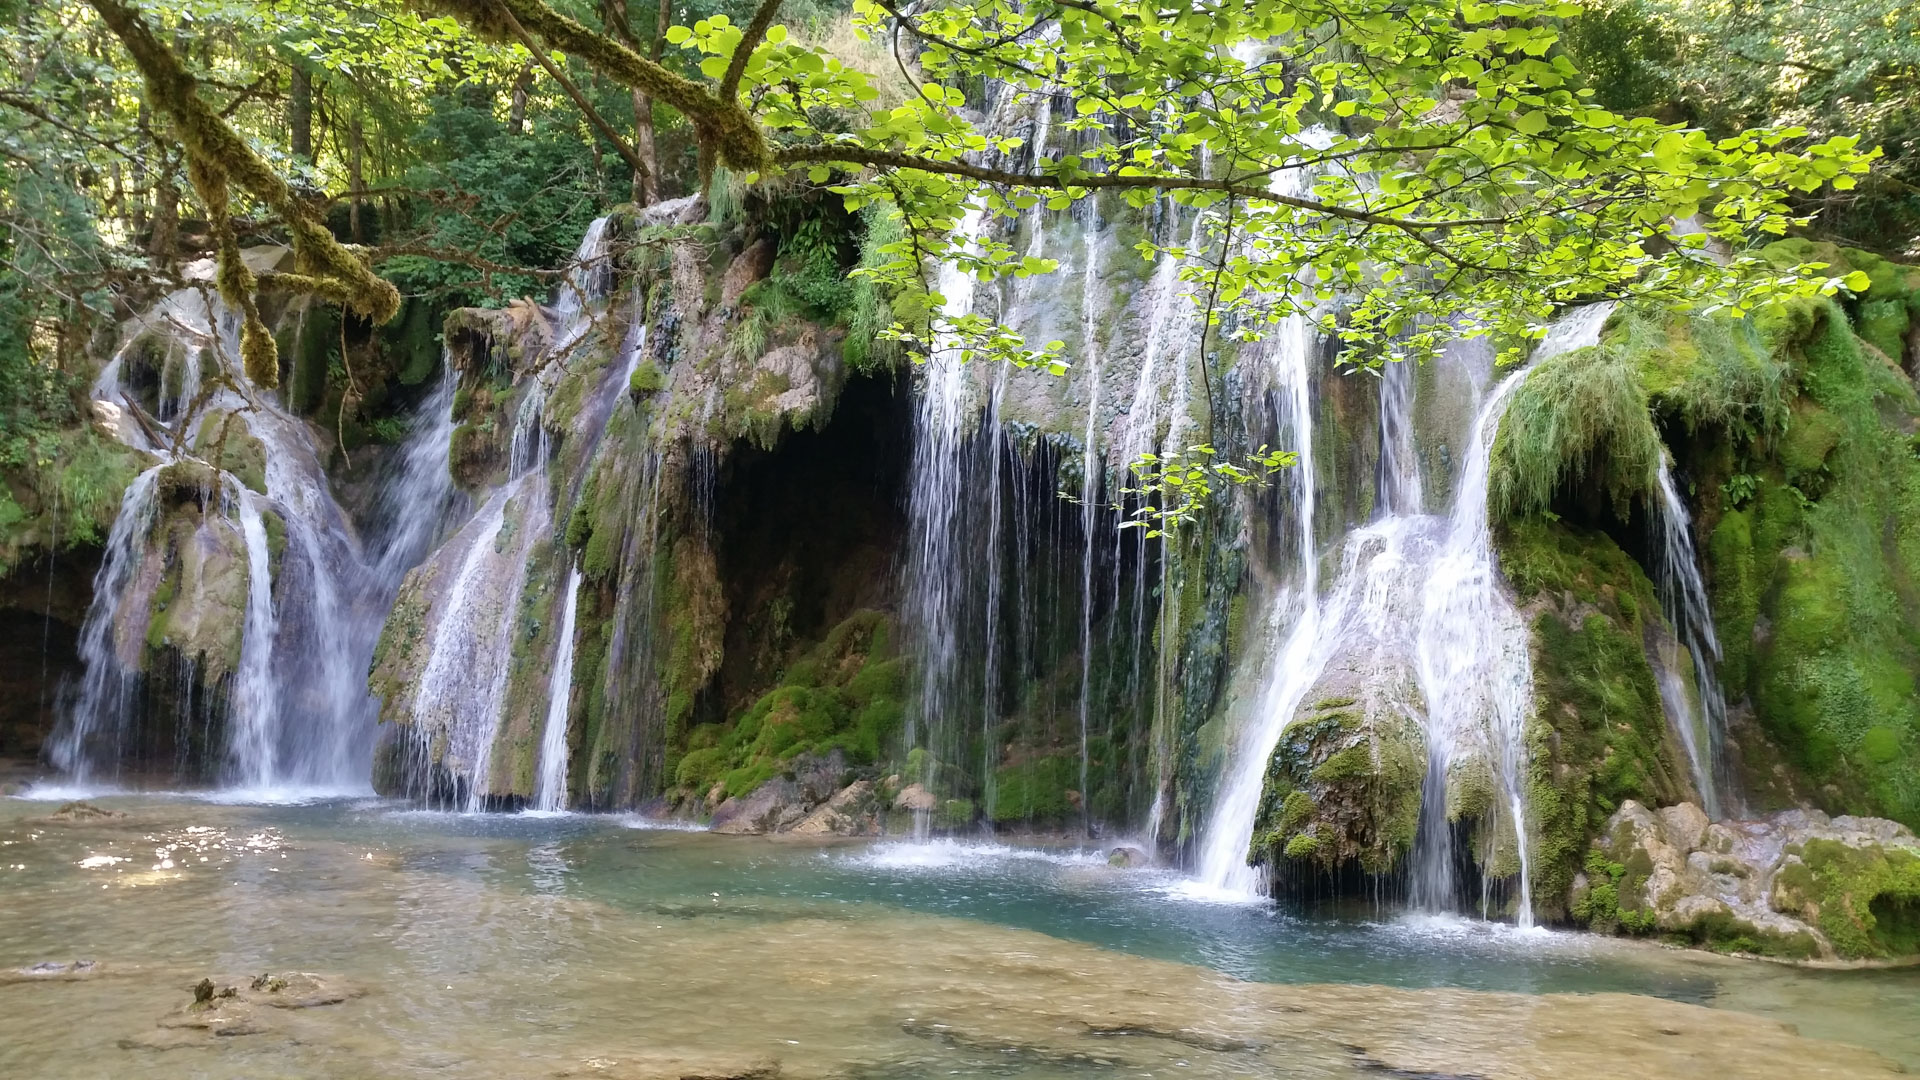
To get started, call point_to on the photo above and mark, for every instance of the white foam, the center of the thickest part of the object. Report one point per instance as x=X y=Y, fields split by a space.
x=55 y=791
x=636 y=821
x=279 y=795
x=962 y=854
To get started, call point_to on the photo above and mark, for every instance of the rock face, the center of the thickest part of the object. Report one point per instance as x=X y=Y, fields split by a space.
x=808 y=799
x=1796 y=885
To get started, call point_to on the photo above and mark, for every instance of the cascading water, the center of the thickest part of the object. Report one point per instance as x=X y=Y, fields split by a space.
x=550 y=787
x=1472 y=652
x=1223 y=854
x=474 y=629
x=1700 y=719
x=936 y=574
x=254 y=715
x=1090 y=489
x=100 y=705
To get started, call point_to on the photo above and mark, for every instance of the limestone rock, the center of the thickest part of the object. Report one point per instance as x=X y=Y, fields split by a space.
x=1127 y=857
x=853 y=811
x=1796 y=884
x=916 y=798
x=775 y=805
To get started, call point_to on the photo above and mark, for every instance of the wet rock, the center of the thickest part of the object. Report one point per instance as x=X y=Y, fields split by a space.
x=51 y=971
x=773 y=806
x=81 y=811
x=916 y=798
x=853 y=811
x=1795 y=885
x=1127 y=857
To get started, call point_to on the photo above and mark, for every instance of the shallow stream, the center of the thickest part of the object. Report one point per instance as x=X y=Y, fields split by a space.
x=444 y=945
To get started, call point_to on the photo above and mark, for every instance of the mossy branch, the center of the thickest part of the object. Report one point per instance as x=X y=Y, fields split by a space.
x=723 y=128
x=222 y=157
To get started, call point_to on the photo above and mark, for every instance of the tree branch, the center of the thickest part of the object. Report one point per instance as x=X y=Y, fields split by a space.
x=887 y=159
x=750 y=40
x=579 y=100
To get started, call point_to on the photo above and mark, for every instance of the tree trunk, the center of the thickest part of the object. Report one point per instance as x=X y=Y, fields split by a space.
x=646 y=181
x=166 y=214
x=300 y=116
x=139 y=201
x=517 y=113
x=356 y=182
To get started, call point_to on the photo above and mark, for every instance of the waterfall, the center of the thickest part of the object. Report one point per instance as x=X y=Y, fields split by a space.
x=253 y=711
x=1472 y=651
x=1398 y=474
x=936 y=574
x=1223 y=854
x=101 y=702
x=550 y=790
x=1089 y=501
x=417 y=498
x=1700 y=720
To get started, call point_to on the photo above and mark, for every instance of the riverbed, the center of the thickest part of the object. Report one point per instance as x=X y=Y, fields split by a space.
x=365 y=939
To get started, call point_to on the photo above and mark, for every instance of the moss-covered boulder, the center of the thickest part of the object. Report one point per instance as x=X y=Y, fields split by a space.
x=1795 y=885
x=1599 y=735
x=846 y=696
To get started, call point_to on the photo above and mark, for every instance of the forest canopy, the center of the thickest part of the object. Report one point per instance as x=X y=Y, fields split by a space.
x=1435 y=165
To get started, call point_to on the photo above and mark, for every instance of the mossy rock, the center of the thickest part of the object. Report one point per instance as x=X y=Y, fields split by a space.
x=1340 y=789
x=224 y=442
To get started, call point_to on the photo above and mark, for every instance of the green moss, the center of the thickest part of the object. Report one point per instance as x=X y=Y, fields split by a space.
x=1037 y=790
x=647 y=378
x=1302 y=846
x=1579 y=417
x=844 y=694
x=66 y=498
x=1599 y=735
x=1866 y=900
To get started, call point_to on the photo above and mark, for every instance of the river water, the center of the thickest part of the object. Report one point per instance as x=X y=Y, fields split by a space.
x=454 y=945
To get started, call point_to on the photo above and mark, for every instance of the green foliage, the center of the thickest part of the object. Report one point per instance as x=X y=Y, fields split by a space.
x=1580 y=418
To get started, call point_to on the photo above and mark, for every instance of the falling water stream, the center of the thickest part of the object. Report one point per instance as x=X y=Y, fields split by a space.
x=1700 y=718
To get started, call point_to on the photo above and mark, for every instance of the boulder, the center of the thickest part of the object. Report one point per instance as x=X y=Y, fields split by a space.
x=1796 y=884
x=774 y=806
x=1127 y=857
x=853 y=811
x=916 y=798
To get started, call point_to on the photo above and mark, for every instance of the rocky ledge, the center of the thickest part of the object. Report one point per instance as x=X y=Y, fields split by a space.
x=1795 y=885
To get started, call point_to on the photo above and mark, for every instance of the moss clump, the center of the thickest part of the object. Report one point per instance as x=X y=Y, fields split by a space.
x=844 y=694
x=1815 y=573
x=1044 y=789
x=1341 y=789
x=646 y=379
x=1599 y=735
x=1599 y=908
x=64 y=499
x=1581 y=418
x=1865 y=899
x=225 y=443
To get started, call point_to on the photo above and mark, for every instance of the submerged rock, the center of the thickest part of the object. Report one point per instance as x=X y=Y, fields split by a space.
x=81 y=810
x=1796 y=885
x=1127 y=857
